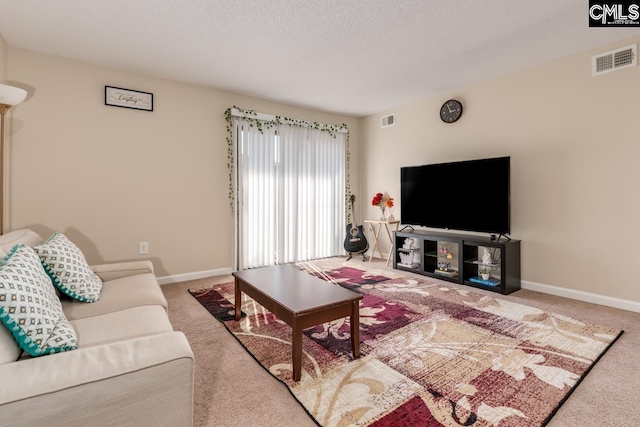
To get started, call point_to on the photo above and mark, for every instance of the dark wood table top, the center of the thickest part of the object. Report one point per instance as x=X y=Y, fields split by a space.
x=295 y=290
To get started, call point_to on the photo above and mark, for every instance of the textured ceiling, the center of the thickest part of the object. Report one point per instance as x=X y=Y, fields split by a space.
x=349 y=57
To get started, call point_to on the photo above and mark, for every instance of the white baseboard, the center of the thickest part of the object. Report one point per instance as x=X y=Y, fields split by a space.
x=166 y=280
x=583 y=296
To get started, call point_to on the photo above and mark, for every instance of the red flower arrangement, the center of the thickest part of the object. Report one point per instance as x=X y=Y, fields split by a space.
x=383 y=201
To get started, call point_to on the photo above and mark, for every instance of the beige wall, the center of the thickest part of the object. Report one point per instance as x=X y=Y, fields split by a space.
x=112 y=177
x=3 y=60
x=575 y=152
x=3 y=77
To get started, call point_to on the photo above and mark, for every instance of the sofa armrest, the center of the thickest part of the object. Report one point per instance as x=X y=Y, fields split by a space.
x=123 y=383
x=118 y=270
x=55 y=372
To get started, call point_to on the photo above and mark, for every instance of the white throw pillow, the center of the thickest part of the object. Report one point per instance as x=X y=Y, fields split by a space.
x=65 y=263
x=29 y=307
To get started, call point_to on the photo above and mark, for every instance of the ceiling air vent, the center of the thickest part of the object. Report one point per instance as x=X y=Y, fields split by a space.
x=386 y=121
x=614 y=60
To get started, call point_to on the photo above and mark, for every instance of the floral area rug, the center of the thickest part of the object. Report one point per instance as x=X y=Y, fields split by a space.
x=432 y=353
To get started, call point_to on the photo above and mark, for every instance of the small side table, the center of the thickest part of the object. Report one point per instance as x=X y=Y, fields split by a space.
x=376 y=233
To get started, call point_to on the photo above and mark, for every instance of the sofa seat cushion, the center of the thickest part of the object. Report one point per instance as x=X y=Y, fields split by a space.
x=117 y=295
x=121 y=326
x=68 y=268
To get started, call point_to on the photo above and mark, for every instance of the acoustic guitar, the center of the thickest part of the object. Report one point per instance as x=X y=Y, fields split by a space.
x=355 y=242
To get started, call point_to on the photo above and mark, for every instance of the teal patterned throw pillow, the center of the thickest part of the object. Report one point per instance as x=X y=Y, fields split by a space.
x=29 y=306
x=66 y=265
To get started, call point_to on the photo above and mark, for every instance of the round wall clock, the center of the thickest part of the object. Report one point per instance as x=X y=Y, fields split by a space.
x=451 y=111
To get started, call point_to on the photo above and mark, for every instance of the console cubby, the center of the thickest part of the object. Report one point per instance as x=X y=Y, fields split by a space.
x=459 y=258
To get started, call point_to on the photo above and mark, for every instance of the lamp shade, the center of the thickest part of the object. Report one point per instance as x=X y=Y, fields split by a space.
x=11 y=95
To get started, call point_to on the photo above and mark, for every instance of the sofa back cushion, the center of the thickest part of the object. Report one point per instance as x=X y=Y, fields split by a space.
x=10 y=351
x=26 y=236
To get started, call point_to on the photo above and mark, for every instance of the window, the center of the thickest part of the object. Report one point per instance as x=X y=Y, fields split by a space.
x=290 y=192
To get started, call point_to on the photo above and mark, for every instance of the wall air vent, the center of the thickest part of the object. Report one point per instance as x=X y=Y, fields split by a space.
x=614 y=60
x=386 y=121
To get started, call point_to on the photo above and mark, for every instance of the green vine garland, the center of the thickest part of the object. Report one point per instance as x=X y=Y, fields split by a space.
x=251 y=117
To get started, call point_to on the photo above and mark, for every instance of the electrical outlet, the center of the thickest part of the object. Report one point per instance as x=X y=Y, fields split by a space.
x=143 y=248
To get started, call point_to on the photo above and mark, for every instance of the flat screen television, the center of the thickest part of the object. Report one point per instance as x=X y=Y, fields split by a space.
x=472 y=195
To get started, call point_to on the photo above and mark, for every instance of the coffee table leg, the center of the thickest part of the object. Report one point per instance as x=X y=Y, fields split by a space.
x=355 y=328
x=296 y=352
x=238 y=296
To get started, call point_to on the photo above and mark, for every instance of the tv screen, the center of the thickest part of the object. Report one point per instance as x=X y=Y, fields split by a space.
x=470 y=195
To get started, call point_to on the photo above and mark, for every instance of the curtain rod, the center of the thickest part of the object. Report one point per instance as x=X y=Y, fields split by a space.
x=236 y=112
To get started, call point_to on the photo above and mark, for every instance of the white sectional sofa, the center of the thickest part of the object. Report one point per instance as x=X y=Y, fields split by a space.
x=130 y=367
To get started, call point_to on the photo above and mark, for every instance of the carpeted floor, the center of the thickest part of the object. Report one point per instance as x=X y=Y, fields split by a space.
x=231 y=388
x=432 y=354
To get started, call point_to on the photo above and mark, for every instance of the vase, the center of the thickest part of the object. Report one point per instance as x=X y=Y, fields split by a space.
x=382 y=216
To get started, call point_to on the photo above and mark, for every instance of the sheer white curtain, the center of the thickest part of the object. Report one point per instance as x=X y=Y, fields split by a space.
x=290 y=187
x=257 y=206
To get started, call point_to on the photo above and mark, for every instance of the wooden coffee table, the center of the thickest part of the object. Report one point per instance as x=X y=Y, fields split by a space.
x=301 y=301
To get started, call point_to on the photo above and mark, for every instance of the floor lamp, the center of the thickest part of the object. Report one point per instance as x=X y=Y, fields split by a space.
x=9 y=96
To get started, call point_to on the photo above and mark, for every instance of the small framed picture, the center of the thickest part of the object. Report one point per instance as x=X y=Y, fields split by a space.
x=127 y=98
